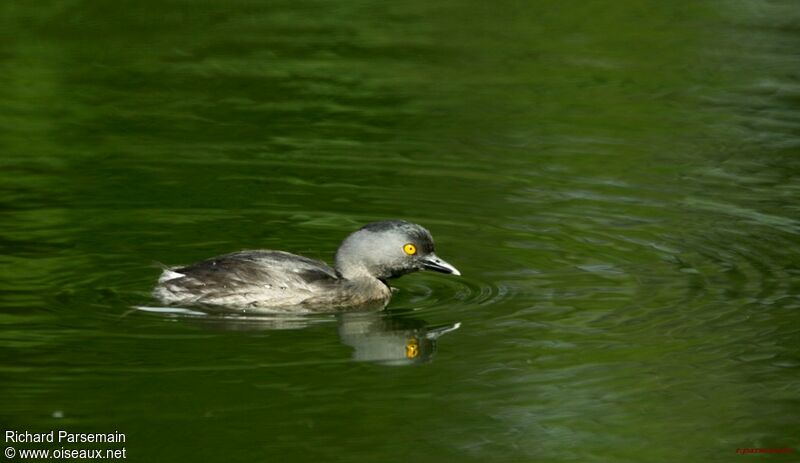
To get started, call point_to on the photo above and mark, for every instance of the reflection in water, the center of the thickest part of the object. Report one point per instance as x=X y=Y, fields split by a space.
x=382 y=337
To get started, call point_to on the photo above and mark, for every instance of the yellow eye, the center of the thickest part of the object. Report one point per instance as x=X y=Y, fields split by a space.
x=412 y=348
x=410 y=249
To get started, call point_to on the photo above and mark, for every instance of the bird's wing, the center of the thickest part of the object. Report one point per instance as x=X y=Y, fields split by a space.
x=247 y=271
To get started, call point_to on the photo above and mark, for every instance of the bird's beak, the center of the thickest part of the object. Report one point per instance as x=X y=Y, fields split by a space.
x=433 y=262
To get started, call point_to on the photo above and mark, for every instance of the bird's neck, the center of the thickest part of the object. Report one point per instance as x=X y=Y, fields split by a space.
x=354 y=272
x=360 y=275
x=367 y=288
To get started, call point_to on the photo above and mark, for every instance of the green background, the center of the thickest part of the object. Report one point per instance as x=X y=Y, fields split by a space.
x=617 y=181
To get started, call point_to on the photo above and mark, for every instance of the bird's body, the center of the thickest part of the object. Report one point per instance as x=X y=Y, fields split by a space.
x=281 y=281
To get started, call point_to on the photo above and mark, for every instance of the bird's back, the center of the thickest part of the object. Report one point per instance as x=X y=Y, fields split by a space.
x=258 y=279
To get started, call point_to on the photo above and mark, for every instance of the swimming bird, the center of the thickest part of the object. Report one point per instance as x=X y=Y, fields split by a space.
x=267 y=280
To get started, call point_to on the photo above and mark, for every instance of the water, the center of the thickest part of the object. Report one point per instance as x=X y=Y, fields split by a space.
x=618 y=184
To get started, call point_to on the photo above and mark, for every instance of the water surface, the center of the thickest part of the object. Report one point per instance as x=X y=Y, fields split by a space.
x=618 y=182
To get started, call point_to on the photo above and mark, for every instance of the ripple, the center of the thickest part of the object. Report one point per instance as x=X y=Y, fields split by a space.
x=429 y=293
x=237 y=321
x=596 y=253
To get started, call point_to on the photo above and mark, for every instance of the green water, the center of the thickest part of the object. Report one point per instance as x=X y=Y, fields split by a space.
x=618 y=182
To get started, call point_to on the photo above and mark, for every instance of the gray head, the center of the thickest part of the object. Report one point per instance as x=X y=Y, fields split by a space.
x=389 y=249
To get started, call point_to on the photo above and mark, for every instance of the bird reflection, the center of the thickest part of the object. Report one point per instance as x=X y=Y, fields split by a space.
x=384 y=337
x=396 y=340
